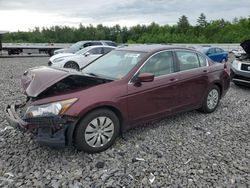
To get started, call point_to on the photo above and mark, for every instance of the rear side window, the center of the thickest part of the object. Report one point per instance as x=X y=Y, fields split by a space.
x=187 y=60
x=111 y=43
x=160 y=64
x=86 y=44
x=106 y=50
x=211 y=51
x=218 y=50
x=203 y=60
x=95 y=43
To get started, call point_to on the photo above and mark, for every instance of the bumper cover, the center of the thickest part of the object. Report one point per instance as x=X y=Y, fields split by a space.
x=241 y=77
x=53 y=131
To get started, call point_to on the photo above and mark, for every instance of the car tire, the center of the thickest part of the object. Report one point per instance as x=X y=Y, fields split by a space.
x=97 y=131
x=72 y=65
x=211 y=100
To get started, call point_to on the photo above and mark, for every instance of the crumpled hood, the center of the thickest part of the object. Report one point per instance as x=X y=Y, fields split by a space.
x=36 y=80
x=62 y=55
x=246 y=46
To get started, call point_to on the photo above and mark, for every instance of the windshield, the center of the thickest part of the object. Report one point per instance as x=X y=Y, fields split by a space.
x=202 y=49
x=82 y=51
x=114 y=65
x=77 y=45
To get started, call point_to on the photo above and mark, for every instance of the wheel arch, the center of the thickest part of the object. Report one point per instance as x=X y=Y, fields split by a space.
x=219 y=86
x=71 y=61
x=108 y=107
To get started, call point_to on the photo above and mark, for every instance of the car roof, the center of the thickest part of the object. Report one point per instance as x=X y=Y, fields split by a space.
x=102 y=46
x=151 y=47
x=95 y=41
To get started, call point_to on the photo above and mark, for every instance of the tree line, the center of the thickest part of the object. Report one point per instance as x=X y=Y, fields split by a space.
x=215 y=31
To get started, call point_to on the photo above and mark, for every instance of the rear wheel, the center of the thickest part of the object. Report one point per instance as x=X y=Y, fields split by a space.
x=211 y=100
x=97 y=131
x=72 y=65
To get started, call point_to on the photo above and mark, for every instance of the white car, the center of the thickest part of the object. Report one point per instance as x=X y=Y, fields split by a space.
x=79 y=59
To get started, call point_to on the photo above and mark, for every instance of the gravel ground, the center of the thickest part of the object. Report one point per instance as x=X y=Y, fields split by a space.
x=187 y=150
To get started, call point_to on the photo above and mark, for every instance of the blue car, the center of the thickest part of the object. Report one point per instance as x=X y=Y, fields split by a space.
x=214 y=53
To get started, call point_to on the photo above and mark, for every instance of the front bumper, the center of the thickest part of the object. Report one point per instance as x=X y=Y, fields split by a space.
x=240 y=77
x=53 y=131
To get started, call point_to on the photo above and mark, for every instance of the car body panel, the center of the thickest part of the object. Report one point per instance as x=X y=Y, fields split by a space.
x=81 y=58
x=240 y=69
x=36 y=80
x=151 y=98
x=214 y=53
x=61 y=55
x=134 y=103
x=83 y=44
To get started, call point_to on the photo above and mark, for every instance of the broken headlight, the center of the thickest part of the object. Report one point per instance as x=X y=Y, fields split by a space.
x=55 y=108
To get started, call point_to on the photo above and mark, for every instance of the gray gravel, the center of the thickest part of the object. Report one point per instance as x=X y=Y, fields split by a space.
x=187 y=150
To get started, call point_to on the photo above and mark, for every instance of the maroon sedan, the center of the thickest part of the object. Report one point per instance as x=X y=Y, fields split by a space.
x=122 y=89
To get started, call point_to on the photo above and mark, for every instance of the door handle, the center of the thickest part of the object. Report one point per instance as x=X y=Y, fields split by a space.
x=205 y=71
x=173 y=79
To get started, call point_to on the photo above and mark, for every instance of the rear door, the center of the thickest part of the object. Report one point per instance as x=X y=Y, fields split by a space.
x=151 y=99
x=193 y=78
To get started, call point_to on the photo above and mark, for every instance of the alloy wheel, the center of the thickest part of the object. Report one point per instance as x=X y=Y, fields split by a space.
x=212 y=99
x=99 y=132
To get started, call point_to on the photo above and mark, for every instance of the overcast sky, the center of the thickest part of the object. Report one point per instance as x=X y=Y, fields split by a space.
x=26 y=14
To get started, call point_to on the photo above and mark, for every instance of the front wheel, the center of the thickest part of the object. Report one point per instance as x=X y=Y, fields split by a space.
x=211 y=100
x=72 y=65
x=97 y=131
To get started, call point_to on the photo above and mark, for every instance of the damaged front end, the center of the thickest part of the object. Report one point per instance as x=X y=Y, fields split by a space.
x=240 y=70
x=50 y=93
x=45 y=121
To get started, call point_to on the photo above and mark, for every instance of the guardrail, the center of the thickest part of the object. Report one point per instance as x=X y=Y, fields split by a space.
x=225 y=46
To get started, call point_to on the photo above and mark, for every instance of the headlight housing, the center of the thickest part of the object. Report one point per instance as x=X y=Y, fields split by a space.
x=55 y=108
x=58 y=60
x=236 y=64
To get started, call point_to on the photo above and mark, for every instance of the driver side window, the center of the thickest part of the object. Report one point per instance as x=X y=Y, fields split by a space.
x=95 y=51
x=159 y=64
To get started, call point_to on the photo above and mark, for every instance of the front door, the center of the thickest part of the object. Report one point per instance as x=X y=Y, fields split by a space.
x=152 y=99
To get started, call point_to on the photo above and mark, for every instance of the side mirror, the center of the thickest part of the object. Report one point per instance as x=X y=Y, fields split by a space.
x=144 y=77
x=87 y=54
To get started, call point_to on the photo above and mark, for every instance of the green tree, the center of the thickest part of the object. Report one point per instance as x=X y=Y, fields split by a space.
x=202 y=22
x=183 y=24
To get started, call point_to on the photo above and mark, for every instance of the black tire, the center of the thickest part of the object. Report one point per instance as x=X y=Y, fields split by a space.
x=205 y=106
x=51 y=52
x=72 y=65
x=81 y=131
